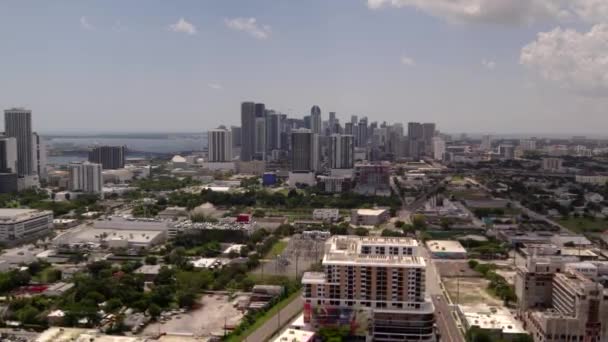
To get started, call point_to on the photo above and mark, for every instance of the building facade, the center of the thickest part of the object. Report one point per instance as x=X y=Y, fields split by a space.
x=86 y=177
x=304 y=151
x=342 y=151
x=374 y=286
x=247 y=131
x=110 y=157
x=18 y=125
x=220 y=145
x=17 y=225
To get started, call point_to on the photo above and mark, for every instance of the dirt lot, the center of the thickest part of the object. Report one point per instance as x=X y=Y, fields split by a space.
x=207 y=321
x=451 y=268
x=472 y=291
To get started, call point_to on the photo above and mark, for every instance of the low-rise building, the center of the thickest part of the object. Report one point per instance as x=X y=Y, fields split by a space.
x=294 y=335
x=497 y=322
x=369 y=217
x=591 y=178
x=328 y=215
x=19 y=225
x=446 y=249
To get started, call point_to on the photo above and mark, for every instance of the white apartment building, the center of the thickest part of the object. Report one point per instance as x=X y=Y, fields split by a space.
x=438 y=148
x=86 y=177
x=220 y=145
x=375 y=286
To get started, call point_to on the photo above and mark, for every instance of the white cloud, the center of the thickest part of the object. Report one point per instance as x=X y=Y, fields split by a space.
x=507 y=12
x=215 y=86
x=572 y=60
x=183 y=26
x=490 y=65
x=249 y=25
x=405 y=60
x=84 y=23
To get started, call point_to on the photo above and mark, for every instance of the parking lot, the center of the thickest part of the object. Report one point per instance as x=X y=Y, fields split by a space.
x=209 y=320
x=300 y=254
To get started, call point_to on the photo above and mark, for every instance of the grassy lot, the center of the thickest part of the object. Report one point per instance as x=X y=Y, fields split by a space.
x=268 y=315
x=276 y=249
x=584 y=225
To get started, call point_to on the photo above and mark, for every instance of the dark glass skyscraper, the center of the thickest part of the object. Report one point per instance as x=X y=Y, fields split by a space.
x=18 y=124
x=110 y=157
x=248 y=110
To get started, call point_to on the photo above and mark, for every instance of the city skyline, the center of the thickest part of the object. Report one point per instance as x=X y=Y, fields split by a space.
x=502 y=69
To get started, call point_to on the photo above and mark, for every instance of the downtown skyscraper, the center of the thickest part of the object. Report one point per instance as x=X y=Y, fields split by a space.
x=18 y=125
x=247 y=131
x=315 y=120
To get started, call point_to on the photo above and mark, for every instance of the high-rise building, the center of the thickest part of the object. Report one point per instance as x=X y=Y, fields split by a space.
x=274 y=127
x=236 y=136
x=373 y=179
x=39 y=155
x=86 y=177
x=486 y=143
x=260 y=110
x=8 y=155
x=438 y=148
x=354 y=120
x=528 y=144
x=428 y=133
x=247 y=131
x=342 y=151
x=304 y=151
x=220 y=145
x=361 y=134
x=374 y=283
x=348 y=128
x=260 y=138
x=18 y=124
x=415 y=137
x=315 y=120
x=506 y=151
x=110 y=157
x=332 y=123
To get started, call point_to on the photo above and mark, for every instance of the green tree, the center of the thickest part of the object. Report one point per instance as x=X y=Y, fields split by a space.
x=361 y=231
x=419 y=222
x=151 y=260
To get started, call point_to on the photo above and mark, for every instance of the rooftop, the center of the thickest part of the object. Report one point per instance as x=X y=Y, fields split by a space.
x=370 y=212
x=16 y=215
x=294 y=335
x=491 y=318
x=346 y=250
x=58 y=334
x=446 y=246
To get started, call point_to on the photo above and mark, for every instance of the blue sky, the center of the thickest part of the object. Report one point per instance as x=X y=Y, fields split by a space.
x=118 y=65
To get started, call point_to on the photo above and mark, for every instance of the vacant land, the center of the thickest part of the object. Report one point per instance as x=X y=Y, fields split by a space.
x=277 y=249
x=584 y=225
x=216 y=311
x=473 y=291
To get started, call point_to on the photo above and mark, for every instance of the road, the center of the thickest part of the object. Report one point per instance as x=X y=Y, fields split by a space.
x=446 y=324
x=274 y=324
